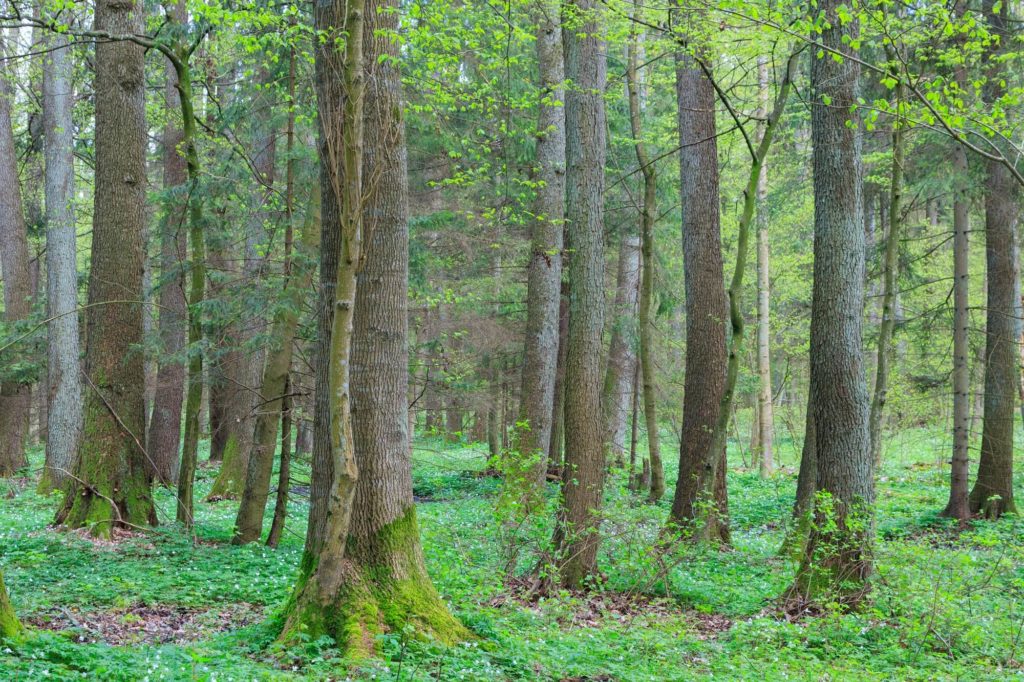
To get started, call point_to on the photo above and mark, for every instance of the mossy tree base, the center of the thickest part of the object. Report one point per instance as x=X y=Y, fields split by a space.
x=381 y=586
x=10 y=626
x=230 y=479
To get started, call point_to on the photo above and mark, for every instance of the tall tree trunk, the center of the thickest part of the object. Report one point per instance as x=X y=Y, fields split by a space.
x=701 y=470
x=837 y=557
x=577 y=537
x=321 y=599
x=992 y=494
x=385 y=584
x=621 y=355
x=164 y=436
x=112 y=487
x=648 y=218
x=249 y=523
x=544 y=278
x=284 y=471
x=764 y=408
x=64 y=406
x=15 y=395
x=890 y=264
x=958 y=506
x=558 y=400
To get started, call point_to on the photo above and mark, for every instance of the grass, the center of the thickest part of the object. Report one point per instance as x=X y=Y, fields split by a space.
x=945 y=605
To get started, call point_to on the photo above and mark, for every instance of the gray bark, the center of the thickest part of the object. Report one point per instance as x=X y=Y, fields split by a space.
x=618 y=384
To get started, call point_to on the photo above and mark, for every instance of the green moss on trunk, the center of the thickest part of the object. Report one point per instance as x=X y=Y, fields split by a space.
x=10 y=626
x=384 y=587
x=231 y=477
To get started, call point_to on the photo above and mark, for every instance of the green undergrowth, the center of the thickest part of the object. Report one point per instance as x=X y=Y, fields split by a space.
x=945 y=604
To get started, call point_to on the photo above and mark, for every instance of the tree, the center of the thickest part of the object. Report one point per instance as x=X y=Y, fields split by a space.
x=992 y=494
x=15 y=393
x=164 y=436
x=765 y=417
x=111 y=486
x=700 y=494
x=576 y=537
x=618 y=383
x=837 y=560
x=64 y=398
x=533 y=434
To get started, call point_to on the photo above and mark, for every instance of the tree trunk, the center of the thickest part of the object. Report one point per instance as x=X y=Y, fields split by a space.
x=958 y=506
x=696 y=506
x=164 y=436
x=577 y=537
x=15 y=394
x=806 y=486
x=889 y=265
x=10 y=626
x=764 y=408
x=837 y=558
x=64 y=405
x=284 y=472
x=544 y=277
x=323 y=601
x=992 y=494
x=112 y=487
x=249 y=523
x=385 y=585
x=558 y=399
x=621 y=355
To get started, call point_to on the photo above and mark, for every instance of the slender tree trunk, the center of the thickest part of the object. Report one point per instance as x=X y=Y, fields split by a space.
x=992 y=494
x=322 y=603
x=284 y=473
x=15 y=395
x=764 y=408
x=958 y=506
x=544 y=277
x=578 y=521
x=112 y=487
x=249 y=523
x=164 y=436
x=621 y=355
x=64 y=406
x=837 y=558
x=889 y=266
x=558 y=400
x=706 y=309
x=648 y=218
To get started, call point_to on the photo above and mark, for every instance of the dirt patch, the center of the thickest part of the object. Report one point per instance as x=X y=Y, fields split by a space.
x=147 y=624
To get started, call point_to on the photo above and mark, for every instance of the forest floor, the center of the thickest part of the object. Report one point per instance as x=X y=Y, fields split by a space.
x=161 y=605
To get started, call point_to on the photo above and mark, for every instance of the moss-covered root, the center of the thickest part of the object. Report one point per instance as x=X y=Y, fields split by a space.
x=383 y=588
x=10 y=626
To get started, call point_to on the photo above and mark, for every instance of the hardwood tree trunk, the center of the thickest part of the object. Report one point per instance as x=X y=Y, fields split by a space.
x=111 y=486
x=558 y=400
x=578 y=521
x=544 y=277
x=64 y=398
x=765 y=409
x=10 y=626
x=15 y=393
x=700 y=504
x=837 y=558
x=992 y=494
x=622 y=358
x=164 y=436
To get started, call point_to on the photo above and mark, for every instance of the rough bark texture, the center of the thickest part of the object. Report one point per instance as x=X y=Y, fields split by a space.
x=64 y=402
x=386 y=585
x=577 y=535
x=15 y=396
x=164 y=436
x=544 y=277
x=618 y=382
x=992 y=494
x=837 y=557
x=558 y=400
x=765 y=436
x=111 y=486
x=700 y=499
x=249 y=523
